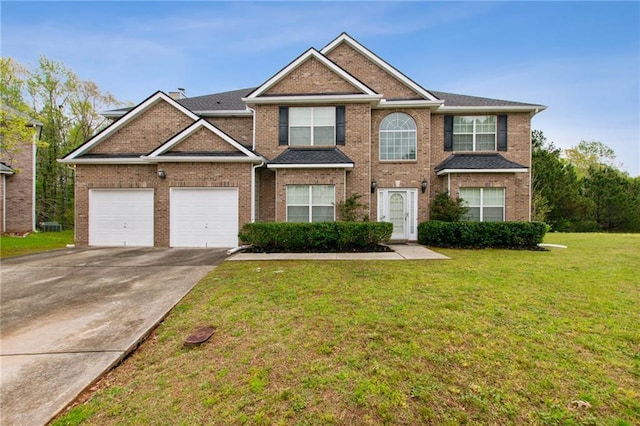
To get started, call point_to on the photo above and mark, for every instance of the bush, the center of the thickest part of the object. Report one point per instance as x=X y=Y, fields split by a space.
x=314 y=237
x=446 y=208
x=481 y=234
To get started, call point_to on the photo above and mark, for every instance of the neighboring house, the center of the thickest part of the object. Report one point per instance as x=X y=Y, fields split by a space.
x=18 y=181
x=176 y=171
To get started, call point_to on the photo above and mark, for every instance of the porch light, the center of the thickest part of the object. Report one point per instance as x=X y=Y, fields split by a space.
x=162 y=174
x=424 y=185
x=374 y=185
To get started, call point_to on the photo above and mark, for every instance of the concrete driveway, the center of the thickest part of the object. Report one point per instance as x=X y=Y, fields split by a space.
x=70 y=315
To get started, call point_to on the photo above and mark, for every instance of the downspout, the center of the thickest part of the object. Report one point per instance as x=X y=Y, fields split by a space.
x=36 y=137
x=253 y=190
x=531 y=165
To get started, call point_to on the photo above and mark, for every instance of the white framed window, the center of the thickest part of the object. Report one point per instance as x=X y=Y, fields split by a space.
x=485 y=204
x=310 y=203
x=312 y=126
x=474 y=133
x=398 y=137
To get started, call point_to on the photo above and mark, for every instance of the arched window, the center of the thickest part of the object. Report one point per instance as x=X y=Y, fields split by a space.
x=398 y=137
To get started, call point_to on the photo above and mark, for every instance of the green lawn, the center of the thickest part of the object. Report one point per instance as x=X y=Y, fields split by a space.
x=35 y=242
x=489 y=337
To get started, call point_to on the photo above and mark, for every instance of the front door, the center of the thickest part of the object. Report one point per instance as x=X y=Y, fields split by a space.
x=398 y=206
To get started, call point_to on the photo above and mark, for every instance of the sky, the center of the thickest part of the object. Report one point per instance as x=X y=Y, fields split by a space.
x=580 y=59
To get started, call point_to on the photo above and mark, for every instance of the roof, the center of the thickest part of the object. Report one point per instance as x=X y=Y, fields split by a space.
x=311 y=157
x=461 y=163
x=5 y=170
x=225 y=101
x=453 y=99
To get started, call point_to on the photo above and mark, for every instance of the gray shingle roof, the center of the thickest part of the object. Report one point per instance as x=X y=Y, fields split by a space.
x=477 y=162
x=311 y=156
x=225 y=101
x=5 y=170
x=453 y=99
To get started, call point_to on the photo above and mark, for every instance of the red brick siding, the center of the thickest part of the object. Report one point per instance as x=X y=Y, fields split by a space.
x=369 y=73
x=239 y=128
x=146 y=132
x=19 y=214
x=312 y=77
x=237 y=175
x=204 y=140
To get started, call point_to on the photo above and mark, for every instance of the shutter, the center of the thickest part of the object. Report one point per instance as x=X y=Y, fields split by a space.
x=448 y=132
x=340 y=125
x=283 y=127
x=502 y=133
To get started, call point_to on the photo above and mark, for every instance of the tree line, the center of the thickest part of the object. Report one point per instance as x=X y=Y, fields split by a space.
x=68 y=108
x=582 y=189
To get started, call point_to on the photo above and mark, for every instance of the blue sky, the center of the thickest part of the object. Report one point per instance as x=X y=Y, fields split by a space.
x=581 y=59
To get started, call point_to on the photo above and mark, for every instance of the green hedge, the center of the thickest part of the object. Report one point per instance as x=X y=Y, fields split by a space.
x=481 y=234
x=321 y=236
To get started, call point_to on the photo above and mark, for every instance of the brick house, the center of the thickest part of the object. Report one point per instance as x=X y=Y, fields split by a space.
x=18 y=180
x=176 y=171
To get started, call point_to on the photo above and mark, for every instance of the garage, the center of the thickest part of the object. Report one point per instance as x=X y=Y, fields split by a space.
x=204 y=217
x=121 y=217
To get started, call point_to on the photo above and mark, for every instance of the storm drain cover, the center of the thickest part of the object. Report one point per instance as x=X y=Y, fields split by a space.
x=199 y=336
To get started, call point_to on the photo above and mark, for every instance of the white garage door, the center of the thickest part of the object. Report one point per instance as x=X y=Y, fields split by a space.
x=121 y=217
x=204 y=217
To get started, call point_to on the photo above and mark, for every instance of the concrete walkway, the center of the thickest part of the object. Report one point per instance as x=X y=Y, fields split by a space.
x=70 y=315
x=409 y=251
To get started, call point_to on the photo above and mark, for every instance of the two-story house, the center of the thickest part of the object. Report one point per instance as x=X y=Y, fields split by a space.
x=189 y=172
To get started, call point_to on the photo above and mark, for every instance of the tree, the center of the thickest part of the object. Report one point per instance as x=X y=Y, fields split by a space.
x=590 y=153
x=16 y=127
x=614 y=197
x=68 y=109
x=556 y=198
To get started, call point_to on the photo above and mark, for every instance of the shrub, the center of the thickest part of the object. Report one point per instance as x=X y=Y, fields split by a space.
x=352 y=210
x=481 y=234
x=321 y=236
x=447 y=209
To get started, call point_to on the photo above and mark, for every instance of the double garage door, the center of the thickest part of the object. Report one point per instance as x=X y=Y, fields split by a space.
x=199 y=217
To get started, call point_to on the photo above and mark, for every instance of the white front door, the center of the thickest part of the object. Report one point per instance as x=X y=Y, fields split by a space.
x=399 y=207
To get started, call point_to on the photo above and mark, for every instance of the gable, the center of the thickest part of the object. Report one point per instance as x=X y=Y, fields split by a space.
x=203 y=140
x=310 y=78
x=145 y=132
x=370 y=73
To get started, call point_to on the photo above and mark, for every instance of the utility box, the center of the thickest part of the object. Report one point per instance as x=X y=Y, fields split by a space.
x=50 y=226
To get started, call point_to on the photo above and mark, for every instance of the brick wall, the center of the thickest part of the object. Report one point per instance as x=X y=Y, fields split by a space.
x=239 y=128
x=145 y=132
x=312 y=77
x=370 y=73
x=518 y=150
x=211 y=175
x=20 y=211
x=205 y=140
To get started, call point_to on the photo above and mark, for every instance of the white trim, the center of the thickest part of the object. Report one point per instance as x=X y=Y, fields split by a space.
x=310 y=204
x=4 y=202
x=489 y=109
x=124 y=160
x=311 y=53
x=202 y=159
x=310 y=99
x=136 y=111
x=311 y=166
x=449 y=171
x=224 y=113
x=384 y=103
x=192 y=129
x=481 y=206
x=344 y=37
x=411 y=209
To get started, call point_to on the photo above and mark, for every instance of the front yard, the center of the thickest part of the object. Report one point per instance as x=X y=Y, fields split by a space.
x=489 y=337
x=35 y=242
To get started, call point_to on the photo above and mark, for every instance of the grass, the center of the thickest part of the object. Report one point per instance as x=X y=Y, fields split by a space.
x=490 y=337
x=35 y=242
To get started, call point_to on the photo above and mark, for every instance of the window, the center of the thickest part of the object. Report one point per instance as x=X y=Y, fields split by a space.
x=310 y=203
x=485 y=204
x=398 y=137
x=312 y=126
x=474 y=133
